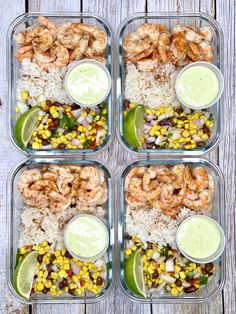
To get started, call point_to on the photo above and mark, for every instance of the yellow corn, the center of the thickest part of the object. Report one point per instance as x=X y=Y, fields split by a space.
x=17 y=109
x=182 y=275
x=24 y=95
x=204 y=137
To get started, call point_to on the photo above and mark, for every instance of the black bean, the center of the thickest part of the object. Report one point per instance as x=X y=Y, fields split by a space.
x=99 y=281
x=190 y=289
x=210 y=274
x=154 y=285
x=52 y=258
x=45 y=142
x=40 y=258
x=56 y=103
x=128 y=237
x=61 y=146
x=91 y=277
x=49 y=277
x=155 y=274
x=49 y=103
x=204 y=271
x=75 y=106
x=45 y=290
x=166 y=121
x=149 y=245
x=182 y=118
x=188 y=279
x=178 y=283
x=71 y=291
x=67 y=254
x=201 y=144
x=209 y=266
x=125 y=103
x=61 y=285
x=179 y=110
x=75 y=128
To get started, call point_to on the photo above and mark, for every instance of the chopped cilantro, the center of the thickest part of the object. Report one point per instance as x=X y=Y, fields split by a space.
x=164 y=251
x=170 y=134
x=210 y=117
x=203 y=280
x=67 y=122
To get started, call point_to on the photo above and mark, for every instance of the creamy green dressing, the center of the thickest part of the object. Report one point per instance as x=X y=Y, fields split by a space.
x=198 y=86
x=86 y=236
x=87 y=83
x=199 y=237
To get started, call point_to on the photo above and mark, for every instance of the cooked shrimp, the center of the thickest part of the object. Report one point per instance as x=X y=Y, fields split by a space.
x=130 y=175
x=58 y=169
x=178 y=172
x=75 y=185
x=64 y=183
x=131 y=200
x=146 y=181
x=27 y=178
x=44 y=57
x=134 y=45
x=201 y=177
x=40 y=202
x=147 y=64
x=144 y=54
x=44 y=186
x=91 y=197
x=74 y=168
x=25 y=52
x=204 y=201
x=193 y=36
x=150 y=30
x=206 y=32
x=178 y=46
x=136 y=190
x=40 y=37
x=20 y=38
x=58 y=202
x=168 y=197
x=163 y=42
x=91 y=177
x=189 y=179
x=207 y=51
x=62 y=57
x=103 y=199
x=78 y=51
x=100 y=43
x=49 y=176
x=45 y=21
x=68 y=36
x=164 y=175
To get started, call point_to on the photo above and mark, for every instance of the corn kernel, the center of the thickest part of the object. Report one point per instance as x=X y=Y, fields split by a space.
x=22 y=250
x=180 y=289
x=199 y=269
x=17 y=109
x=189 y=146
x=182 y=275
x=192 y=132
x=180 y=122
x=66 y=267
x=162 y=266
x=40 y=287
x=132 y=106
x=174 y=292
x=204 y=137
x=163 y=131
x=36 y=145
x=177 y=268
x=24 y=95
x=48 y=284
x=54 y=275
x=185 y=133
x=134 y=248
x=75 y=279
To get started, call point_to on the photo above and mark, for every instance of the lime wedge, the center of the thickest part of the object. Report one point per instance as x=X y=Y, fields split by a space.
x=24 y=274
x=25 y=126
x=133 y=125
x=134 y=273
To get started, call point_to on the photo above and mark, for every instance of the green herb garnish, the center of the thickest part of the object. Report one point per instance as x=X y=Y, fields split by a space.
x=164 y=251
x=67 y=122
x=170 y=134
x=190 y=274
x=203 y=280
x=210 y=117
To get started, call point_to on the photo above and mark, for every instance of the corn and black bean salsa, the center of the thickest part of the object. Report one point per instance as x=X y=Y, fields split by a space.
x=174 y=127
x=57 y=272
x=166 y=270
x=68 y=126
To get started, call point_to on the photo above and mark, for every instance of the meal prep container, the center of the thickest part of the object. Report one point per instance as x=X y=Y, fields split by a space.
x=216 y=283
x=26 y=20
x=170 y=20
x=14 y=210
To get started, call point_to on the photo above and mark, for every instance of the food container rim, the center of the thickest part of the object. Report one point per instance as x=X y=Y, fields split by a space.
x=220 y=117
x=162 y=299
x=112 y=249
x=111 y=98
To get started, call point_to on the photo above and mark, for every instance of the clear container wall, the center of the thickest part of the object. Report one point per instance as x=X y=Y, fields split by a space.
x=216 y=284
x=170 y=20
x=20 y=24
x=15 y=207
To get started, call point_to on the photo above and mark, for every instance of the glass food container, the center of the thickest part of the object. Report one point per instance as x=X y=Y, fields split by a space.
x=170 y=19
x=14 y=211
x=29 y=19
x=216 y=283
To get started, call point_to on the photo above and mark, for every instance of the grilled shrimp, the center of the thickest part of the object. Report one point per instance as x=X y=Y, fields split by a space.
x=67 y=35
x=150 y=30
x=40 y=201
x=91 y=197
x=64 y=183
x=40 y=37
x=204 y=201
x=58 y=202
x=134 y=45
x=74 y=168
x=49 y=176
x=206 y=32
x=91 y=177
x=44 y=57
x=163 y=42
x=58 y=170
x=178 y=172
x=44 y=186
x=25 y=52
x=201 y=177
x=62 y=57
x=131 y=200
x=147 y=64
x=78 y=51
x=27 y=178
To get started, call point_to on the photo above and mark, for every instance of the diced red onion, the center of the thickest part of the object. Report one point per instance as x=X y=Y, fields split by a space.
x=23 y=107
x=60 y=130
x=170 y=265
x=75 y=142
x=89 y=118
x=199 y=123
x=76 y=113
x=49 y=146
x=150 y=117
x=153 y=122
x=45 y=118
x=75 y=269
x=97 y=110
x=146 y=132
x=150 y=139
x=99 y=134
x=167 y=278
x=80 y=119
x=147 y=126
x=84 y=122
x=146 y=135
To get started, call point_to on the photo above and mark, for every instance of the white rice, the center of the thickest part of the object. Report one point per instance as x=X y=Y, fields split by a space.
x=39 y=225
x=41 y=85
x=152 y=89
x=153 y=226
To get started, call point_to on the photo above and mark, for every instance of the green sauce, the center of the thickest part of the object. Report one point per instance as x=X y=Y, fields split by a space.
x=87 y=83
x=86 y=236
x=198 y=86
x=199 y=237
